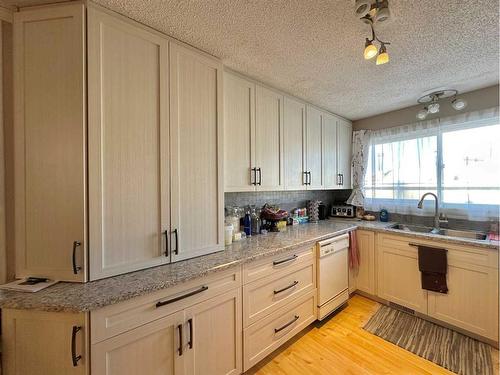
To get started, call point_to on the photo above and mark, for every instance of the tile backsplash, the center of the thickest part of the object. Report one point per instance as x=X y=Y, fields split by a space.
x=287 y=200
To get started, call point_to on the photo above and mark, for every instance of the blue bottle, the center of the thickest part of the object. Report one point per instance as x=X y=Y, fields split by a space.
x=384 y=215
x=247 y=224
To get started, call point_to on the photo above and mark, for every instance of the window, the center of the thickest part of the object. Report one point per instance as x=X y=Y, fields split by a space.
x=458 y=161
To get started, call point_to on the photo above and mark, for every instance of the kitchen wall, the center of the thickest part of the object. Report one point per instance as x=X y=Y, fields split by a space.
x=478 y=99
x=287 y=200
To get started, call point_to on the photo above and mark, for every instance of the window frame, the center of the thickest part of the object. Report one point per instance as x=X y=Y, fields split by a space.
x=437 y=131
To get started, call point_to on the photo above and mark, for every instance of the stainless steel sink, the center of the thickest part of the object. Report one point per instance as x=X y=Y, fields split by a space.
x=443 y=232
x=464 y=234
x=411 y=228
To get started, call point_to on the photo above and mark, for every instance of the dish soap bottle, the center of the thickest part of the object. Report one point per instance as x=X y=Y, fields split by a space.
x=384 y=215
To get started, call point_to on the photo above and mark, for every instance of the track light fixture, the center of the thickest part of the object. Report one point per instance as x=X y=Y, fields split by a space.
x=432 y=98
x=371 y=12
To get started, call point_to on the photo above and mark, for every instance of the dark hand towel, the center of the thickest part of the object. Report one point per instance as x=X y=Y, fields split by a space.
x=433 y=265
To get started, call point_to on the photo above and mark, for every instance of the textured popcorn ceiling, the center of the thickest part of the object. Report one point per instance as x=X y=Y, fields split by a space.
x=313 y=49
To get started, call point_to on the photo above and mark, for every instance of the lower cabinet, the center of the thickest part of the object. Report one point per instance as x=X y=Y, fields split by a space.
x=44 y=343
x=154 y=348
x=398 y=274
x=472 y=300
x=214 y=336
x=268 y=334
x=279 y=300
x=202 y=339
x=471 y=303
x=363 y=278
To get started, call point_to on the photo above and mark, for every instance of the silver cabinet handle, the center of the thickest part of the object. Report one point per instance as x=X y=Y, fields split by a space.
x=295 y=318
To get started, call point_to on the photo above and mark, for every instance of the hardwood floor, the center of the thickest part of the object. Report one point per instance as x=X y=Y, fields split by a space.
x=341 y=346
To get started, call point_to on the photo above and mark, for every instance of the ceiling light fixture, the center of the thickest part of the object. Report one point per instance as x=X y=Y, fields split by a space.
x=458 y=103
x=383 y=56
x=371 y=12
x=370 y=50
x=433 y=97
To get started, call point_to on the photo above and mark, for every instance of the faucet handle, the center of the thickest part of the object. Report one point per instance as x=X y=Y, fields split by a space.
x=443 y=218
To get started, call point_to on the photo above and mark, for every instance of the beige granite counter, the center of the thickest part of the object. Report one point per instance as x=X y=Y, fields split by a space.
x=72 y=297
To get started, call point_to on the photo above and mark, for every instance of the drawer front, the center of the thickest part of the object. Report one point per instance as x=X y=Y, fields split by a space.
x=115 y=319
x=268 y=266
x=261 y=338
x=263 y=296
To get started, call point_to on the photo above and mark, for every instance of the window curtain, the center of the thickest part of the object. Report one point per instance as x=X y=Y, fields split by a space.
x=359 y=164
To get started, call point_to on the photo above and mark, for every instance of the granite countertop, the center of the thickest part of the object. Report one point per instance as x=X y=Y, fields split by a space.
x=74 y=297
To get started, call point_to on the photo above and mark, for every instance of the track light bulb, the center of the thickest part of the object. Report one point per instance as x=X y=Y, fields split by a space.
x=370 y=50
x=459 y=104
x=383 y=56
x=422 y=114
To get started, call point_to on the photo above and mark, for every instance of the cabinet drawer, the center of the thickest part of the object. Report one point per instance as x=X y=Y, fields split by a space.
x=115 y=319
x=263 y=296
x=263 y=337
x=268 y=266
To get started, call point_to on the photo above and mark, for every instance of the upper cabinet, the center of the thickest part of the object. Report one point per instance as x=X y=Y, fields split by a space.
x=253 y=136
x=330 y=149
x=294 y=144
x=50 y=142
x=151 y=163
x=239 y=133
x=268 y=139
x=344 y=145
x=197 y=211
x=275 y=142
x=128 y=146
x=314 y=148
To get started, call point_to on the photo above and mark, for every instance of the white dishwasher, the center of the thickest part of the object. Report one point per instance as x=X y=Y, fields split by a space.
x=332 y=274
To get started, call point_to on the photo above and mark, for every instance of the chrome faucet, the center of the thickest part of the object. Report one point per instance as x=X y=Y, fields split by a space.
x=438 y=219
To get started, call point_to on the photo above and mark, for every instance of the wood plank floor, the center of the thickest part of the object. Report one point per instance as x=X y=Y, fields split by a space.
x=341 y=346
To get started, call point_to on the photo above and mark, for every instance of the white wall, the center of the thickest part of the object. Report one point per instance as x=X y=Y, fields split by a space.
x=478 y=99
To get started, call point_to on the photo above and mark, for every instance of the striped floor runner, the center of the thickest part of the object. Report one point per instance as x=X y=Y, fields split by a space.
x=445 y=347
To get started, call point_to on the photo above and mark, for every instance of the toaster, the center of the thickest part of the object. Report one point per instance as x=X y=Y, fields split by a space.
x=343 y=211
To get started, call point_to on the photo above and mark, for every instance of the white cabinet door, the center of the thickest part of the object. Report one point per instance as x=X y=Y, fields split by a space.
x=156 y=348
x=196 y=147
x=128 y=146
x=330 y=175
x=214 y=336
x=294 y=119
x=239 y=137
x=472 y=300
x=40 y=343
x=269 y=139
x=364 y=277
x=50 y=142
x=398 y=274
x=344 y=147
x=314 y=148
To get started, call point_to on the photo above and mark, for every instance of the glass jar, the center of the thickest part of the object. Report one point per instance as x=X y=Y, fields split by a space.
x=233 y=217
x=255 y=220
